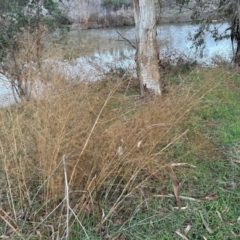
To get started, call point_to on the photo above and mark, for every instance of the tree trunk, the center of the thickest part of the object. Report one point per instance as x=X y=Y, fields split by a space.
x=147 y=58
x=237 y=55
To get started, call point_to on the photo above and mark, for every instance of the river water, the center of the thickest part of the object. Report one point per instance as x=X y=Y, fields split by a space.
x=108 y=51
x=104 y=50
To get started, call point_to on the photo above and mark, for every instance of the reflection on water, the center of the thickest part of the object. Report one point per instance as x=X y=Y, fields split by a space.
x=109 y=51
x=104 y=49
x=174 y=36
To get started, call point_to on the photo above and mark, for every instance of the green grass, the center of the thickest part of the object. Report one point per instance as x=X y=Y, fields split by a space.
x=214 y=181
x=211 y=143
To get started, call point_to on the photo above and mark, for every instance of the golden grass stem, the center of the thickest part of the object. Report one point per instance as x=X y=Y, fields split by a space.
x=10 y=225
x=44 y=219
x=90 y=134
x=46 y=181
x=169 y=144
x=66 y=196
x=11 y=200
x=83 y=228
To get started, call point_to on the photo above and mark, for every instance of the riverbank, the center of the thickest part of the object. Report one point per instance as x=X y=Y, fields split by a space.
x=125 y=17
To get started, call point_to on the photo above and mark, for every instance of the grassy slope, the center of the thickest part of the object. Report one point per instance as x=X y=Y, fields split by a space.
x=212 y=145
x=197 y=123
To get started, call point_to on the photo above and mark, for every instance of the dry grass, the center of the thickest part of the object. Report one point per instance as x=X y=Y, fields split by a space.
x=113 y=144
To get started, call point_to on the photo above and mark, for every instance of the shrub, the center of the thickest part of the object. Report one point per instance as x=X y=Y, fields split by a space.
x=116 y=4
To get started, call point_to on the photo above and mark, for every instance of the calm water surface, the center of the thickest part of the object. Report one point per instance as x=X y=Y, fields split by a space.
x=108 y=51
x=103 y=50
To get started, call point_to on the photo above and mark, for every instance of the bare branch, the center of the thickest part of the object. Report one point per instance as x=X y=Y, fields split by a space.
x=126 y=40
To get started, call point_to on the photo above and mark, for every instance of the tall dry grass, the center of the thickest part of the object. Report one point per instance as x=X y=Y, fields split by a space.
x=75 y=149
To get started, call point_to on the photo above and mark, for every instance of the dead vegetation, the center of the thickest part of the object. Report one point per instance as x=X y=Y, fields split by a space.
x=77 y=150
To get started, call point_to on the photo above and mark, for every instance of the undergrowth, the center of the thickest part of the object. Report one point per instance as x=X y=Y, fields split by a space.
x=95 y=160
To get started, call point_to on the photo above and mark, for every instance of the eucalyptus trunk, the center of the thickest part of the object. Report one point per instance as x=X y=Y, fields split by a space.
x=147 y=58
x=237 y=33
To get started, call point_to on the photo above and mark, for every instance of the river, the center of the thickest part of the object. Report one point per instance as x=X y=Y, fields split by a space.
x=104 y=49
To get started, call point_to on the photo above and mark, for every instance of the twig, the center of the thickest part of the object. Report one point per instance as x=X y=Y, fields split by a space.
x=125 y=39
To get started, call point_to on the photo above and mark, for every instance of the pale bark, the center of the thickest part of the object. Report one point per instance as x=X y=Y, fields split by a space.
x=147 y=58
